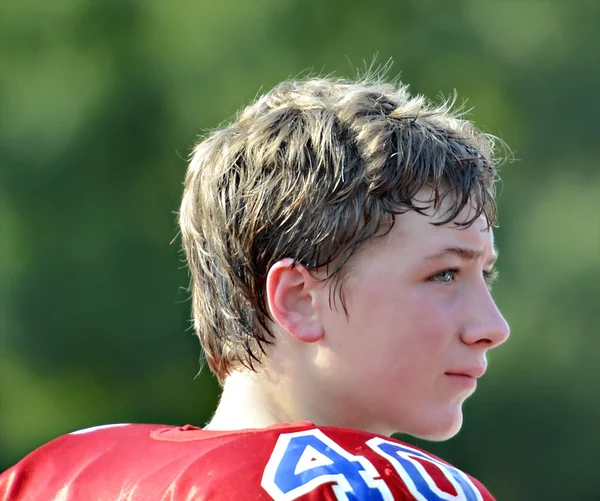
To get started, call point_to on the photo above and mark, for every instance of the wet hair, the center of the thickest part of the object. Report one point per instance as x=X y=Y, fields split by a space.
x=310 y=171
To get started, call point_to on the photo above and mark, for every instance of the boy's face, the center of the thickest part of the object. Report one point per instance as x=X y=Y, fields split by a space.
x=420 y=322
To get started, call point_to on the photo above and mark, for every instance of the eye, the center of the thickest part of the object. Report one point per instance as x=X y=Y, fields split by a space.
x=444 y=277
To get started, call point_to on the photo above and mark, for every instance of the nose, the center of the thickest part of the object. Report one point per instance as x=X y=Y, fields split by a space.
x=485 y=326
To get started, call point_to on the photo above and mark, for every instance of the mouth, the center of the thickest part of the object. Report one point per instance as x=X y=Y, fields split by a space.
x=460 y=375
x=474 y=372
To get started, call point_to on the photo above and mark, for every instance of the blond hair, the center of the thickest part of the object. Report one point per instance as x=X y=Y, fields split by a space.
x=309 y=171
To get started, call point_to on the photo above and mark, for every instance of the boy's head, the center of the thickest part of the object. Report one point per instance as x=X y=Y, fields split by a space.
x=314 y=226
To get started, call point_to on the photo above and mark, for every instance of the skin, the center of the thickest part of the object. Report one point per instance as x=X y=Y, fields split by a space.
x=420 y=322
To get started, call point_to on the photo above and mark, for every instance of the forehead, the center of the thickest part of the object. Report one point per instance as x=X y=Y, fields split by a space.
x=423 y=230
x=417 y=235
x=415 y=228
x=414 y=238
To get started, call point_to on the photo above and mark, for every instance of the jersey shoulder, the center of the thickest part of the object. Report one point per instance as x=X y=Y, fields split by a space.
x=80 y=464
x=285 y=462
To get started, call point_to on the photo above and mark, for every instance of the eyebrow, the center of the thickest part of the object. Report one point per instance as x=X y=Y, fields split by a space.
x=464 y=253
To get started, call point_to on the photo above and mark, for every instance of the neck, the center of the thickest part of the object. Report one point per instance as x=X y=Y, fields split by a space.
x=251 y=400
x=247 y=402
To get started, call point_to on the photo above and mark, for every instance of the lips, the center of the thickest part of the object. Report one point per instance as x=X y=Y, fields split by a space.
x=474 y=372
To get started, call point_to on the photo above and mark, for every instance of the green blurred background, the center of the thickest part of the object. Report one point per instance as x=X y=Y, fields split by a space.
x=100 y=103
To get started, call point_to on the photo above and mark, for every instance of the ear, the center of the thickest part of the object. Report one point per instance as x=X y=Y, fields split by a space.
x=292 y=298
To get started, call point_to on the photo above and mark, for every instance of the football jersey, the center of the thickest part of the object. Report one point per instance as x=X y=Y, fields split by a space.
x=285 y=462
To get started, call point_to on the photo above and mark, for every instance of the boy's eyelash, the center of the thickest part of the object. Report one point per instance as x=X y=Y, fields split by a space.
x=490 y=276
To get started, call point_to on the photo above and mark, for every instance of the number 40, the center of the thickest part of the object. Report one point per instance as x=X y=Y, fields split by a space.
x=304 y=460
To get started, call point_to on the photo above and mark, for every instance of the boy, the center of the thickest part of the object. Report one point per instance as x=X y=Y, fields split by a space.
x=339 y=238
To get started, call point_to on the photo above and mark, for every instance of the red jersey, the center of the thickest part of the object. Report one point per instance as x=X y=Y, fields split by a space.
x=285 y=462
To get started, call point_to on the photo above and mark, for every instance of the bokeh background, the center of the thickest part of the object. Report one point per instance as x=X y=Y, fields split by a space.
x=100 y=104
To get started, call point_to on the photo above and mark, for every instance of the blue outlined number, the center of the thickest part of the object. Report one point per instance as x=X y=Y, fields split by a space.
x=415 y=477
x=304 y=460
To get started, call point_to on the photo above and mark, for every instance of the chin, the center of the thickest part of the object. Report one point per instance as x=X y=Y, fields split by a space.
x=438 y=430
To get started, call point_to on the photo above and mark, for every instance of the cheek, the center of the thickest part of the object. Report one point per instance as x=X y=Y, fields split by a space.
x=408 y=330
x=413 y=309
x=394 y=329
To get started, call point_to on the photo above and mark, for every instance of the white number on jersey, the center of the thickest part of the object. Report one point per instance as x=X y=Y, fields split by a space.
x=304 y=460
